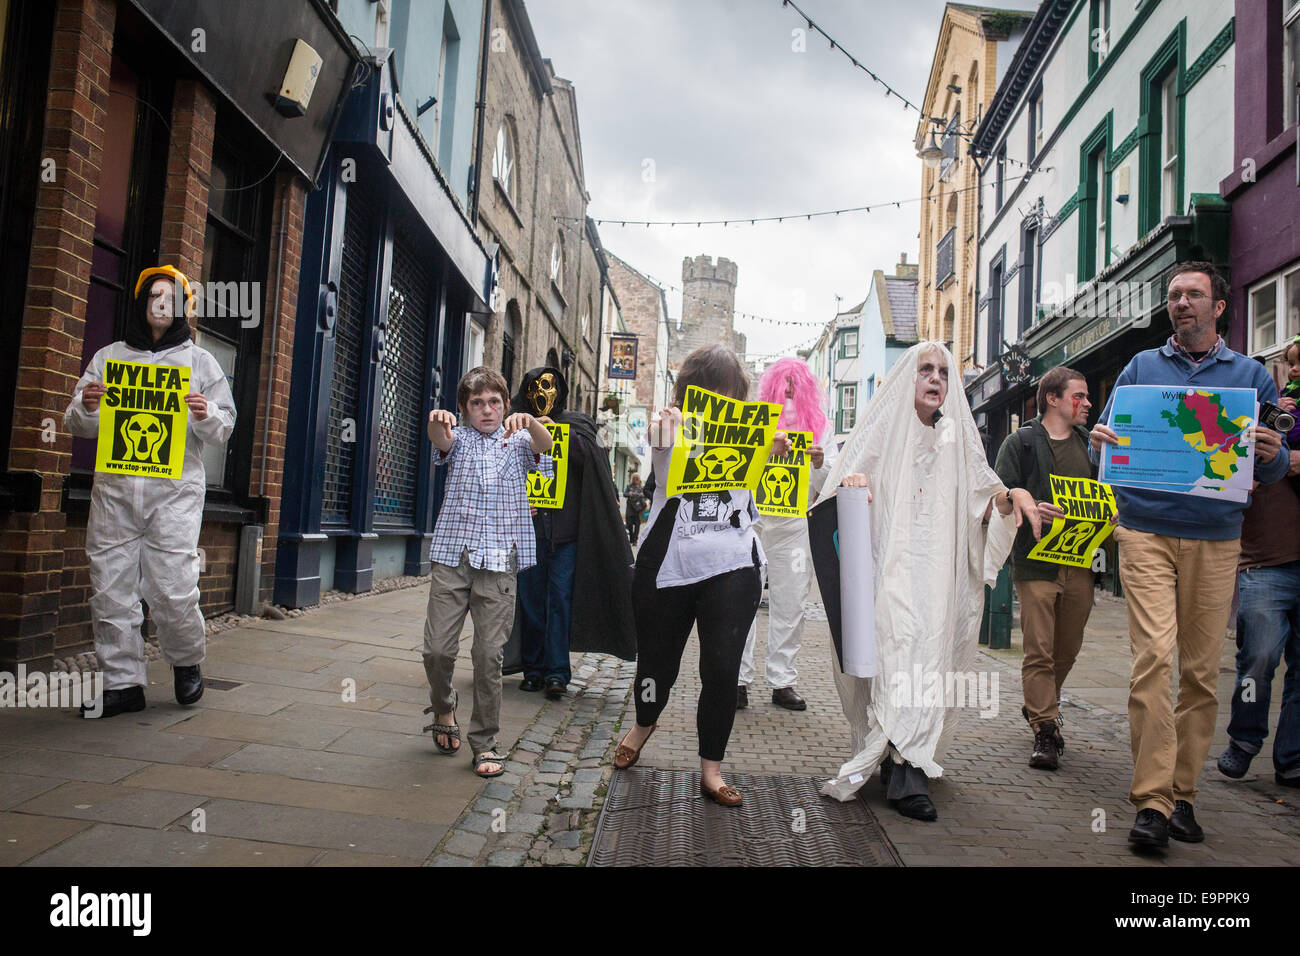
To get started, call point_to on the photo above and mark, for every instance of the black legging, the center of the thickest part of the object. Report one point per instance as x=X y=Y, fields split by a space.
x=722 y=607
x=633 y=527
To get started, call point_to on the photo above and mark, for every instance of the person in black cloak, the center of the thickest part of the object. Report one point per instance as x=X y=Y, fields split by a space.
x=578 y=597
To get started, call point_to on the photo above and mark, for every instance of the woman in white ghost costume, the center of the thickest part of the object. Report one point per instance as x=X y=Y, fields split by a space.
x=936 y=540
x=143 y=532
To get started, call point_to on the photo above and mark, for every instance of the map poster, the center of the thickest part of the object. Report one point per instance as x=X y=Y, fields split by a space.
x=783 y=488
x=1072 y=540
x=547 y=491
x=143 y=420
x=723 y=443
x=1182 y=440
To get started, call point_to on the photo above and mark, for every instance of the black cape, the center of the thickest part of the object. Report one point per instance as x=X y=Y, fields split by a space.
x=602 y=582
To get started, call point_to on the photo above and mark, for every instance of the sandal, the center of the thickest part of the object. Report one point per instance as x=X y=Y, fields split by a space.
x=450 y=731
x=625 y=756
x=487 y=757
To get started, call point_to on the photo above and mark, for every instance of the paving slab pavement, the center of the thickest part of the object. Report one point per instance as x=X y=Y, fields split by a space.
x=314 y=756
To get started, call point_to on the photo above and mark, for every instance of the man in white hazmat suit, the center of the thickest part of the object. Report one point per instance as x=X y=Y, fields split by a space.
x=790 y=383
x=143 y=532
x=935 y=543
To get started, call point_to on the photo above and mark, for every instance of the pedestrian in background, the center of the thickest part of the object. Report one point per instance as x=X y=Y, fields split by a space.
x=1268 y=626
x=634 y=505
x=1055 y=599
x=700 y=567
x=1177 y=563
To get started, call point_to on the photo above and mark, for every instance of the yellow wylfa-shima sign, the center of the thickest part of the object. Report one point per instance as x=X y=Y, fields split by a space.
x=1088 y=505
x=142 y=420
x=723 y=443
x=548 y=492
x=783 y=488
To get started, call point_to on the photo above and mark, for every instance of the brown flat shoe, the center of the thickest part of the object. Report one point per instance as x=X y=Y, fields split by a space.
x=625 y=756
x=725 y=796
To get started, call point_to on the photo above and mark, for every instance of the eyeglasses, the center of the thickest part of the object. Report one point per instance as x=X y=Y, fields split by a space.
x=1193 y=297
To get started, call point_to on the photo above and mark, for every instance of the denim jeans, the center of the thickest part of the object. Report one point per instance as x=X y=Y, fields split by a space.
x=546 y=603
x=1268 y=627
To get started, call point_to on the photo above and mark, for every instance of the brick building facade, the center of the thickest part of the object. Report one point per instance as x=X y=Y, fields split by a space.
x=123 y=156
x=532 y=203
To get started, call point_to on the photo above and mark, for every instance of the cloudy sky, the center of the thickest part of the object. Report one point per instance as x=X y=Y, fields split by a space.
x=739 y=124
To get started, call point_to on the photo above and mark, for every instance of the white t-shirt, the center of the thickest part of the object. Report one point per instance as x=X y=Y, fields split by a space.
x=712 y=534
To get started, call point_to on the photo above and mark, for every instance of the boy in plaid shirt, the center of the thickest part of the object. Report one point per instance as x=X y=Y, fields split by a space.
x=483 y=537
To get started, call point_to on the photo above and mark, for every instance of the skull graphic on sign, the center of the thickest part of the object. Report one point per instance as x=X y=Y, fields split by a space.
x=144 y=435
x=779 y=482
x=720 y=464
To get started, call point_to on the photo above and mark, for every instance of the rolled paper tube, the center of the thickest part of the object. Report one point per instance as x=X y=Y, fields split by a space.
x=857 y=588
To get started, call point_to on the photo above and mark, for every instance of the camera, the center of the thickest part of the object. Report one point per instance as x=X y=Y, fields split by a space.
x=1275 y=418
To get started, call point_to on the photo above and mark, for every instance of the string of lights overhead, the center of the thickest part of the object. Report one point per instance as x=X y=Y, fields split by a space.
x=795 y=217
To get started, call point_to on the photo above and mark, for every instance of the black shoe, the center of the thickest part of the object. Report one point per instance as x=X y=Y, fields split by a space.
x=530 y=684
x=1282 y=781
x=189 y=684
x=1150 y=829
x=1234 y=762
x=555 y=688
x=1046 y=755
x=787 y=698
x=127 y=700
x=1183 y=826
x=918 y=807
x=742 y=696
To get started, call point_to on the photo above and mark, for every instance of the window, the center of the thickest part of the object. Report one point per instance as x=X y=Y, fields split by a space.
x=950 y=138
x=1035 y=123
x=473 y=344
x=1028 y=275
x=1000 y=172
x=1291 y=61
x=848 y=415
x=1274 y=312
x=1098 y=34
x=996 y=270
x=586 y=321
x=444 y=110
x=1168 y=147
x=1100 y=256
x=503 y=159
x=848 y=343
x=557 y=263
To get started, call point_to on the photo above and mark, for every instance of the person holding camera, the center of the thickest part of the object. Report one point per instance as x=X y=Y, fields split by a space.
x=1177 y=562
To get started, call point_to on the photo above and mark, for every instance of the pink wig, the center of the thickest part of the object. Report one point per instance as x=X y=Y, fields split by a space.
x=808 y=399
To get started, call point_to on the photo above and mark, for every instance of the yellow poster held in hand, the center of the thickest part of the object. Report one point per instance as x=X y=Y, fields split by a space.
x=783 y=488
x=1088 y=505
x=143 y=419
x=548 y=492
x=723 y=443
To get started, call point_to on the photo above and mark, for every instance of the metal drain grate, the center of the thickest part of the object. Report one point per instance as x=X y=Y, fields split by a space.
x=216 y=683
x=658 y=818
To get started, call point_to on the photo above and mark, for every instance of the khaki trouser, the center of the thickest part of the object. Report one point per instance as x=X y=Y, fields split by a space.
x=1052 y=617
x=1178 y=593
x=489 y=597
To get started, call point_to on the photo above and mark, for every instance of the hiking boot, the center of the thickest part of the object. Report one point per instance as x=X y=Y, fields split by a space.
x=1046 y=755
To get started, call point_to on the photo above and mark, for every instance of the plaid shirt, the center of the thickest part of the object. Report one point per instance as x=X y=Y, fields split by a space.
x=485 y=512
x=1179 y=350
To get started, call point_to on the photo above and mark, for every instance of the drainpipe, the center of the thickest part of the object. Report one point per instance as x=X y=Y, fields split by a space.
x=481 y=107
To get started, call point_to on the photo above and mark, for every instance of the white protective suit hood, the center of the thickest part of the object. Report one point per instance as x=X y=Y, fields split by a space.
x=930 y=570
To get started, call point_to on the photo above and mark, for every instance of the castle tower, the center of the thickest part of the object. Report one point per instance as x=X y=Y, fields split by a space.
x=708 y=303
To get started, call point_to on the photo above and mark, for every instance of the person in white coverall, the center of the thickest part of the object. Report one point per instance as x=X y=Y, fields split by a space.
x=788 y=382
x=143 y=532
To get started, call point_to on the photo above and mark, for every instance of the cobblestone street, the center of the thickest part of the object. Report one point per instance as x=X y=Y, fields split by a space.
x=278 y=768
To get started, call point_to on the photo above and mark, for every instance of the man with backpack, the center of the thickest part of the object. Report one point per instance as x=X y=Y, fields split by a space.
x=1055 y=599
x=636 y=501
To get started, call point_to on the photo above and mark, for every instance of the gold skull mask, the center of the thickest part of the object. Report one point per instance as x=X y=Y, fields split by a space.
x=542 y=393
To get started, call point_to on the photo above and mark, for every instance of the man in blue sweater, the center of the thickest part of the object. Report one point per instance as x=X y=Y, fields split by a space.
x=1178 y=562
